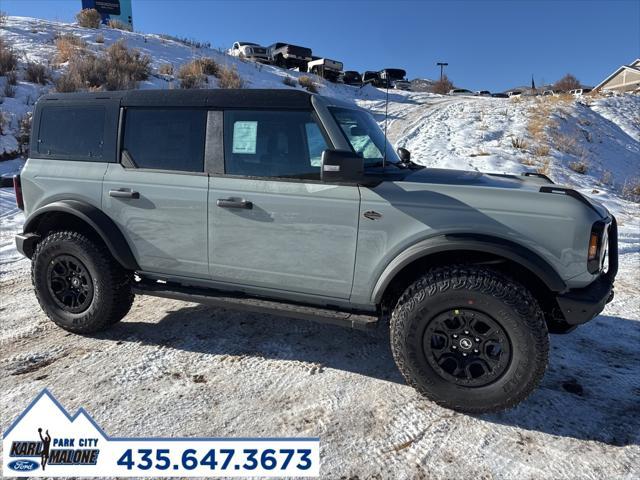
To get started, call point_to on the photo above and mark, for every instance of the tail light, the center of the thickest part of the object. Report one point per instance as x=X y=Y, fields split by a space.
x=17 y=187
x=597 y=246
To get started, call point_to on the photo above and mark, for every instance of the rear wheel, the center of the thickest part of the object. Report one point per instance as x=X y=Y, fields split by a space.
x=470 y=339
x=78 y=283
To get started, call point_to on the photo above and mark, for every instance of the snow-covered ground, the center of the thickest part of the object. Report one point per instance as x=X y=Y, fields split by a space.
x=178 y=369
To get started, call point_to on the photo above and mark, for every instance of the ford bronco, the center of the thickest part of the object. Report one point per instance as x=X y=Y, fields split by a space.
x=279 y=201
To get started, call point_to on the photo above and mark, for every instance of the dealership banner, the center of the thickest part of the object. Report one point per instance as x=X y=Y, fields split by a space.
x=46 y=441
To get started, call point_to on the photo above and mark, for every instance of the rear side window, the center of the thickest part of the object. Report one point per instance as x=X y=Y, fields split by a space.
x=74 y=132
x=165 y=139
x=281 y=144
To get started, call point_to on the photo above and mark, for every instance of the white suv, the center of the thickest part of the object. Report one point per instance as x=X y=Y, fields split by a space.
x=250 y=51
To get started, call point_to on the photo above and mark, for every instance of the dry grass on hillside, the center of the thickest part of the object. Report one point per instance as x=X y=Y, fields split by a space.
x=89 y=18
x=119 y=69
x=68 y=45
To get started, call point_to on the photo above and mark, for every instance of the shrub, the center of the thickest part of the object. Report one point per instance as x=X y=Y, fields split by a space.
x=25 y=132
x=186 y=41
x=541 y=150
x=8 y=59
x=12 y=78
x=165 y=69
x=442 y=86
x=545 y=169
x=191 y=75
x=307 y=83
x=88 y=18
x=118 y=25
x=36 y=73
x=631 y=189
x=228 y=77
x=4 y=121
x=565 y=143
x=289 y=81
x=130 y=62
x=566 y=83
x=100 y=38
x=67 y=83
x=519 y=143
x=3 y=17
x=607 y=178
x=578 y=167
x=9 y=90
x=119 y=69
x=209 y=66
x=68 y=45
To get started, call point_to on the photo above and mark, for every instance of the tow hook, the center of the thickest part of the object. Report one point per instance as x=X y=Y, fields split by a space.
x=611 y=295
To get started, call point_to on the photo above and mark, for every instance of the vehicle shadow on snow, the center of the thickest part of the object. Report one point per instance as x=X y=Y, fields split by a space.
x=590 y=390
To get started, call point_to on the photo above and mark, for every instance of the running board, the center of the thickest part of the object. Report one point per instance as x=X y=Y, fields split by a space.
x=216 y=298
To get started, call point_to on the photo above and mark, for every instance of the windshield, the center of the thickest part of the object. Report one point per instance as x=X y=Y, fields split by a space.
x=364 y=136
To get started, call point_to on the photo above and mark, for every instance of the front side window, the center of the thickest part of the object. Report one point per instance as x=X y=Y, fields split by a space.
x=165 y=139
x=364 y=136
x=281 y=144
x=74 y=132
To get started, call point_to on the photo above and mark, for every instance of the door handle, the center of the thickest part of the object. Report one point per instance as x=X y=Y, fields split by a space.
x=234 y=203
x=124 y=193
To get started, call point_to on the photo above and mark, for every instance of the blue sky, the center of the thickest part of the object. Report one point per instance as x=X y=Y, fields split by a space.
x=488 y=45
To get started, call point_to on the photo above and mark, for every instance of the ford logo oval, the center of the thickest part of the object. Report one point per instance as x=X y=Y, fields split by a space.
x=23 y=465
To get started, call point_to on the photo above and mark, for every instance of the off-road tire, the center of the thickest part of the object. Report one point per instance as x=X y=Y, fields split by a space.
x=482 y=290
x=112 y=296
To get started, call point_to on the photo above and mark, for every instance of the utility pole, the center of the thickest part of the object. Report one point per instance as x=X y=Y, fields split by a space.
x=442 y=65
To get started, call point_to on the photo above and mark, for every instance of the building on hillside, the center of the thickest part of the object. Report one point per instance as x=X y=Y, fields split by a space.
x=624 y=79
x=112 y=10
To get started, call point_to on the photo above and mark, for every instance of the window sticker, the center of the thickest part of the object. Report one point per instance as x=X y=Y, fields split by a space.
x=245 y=134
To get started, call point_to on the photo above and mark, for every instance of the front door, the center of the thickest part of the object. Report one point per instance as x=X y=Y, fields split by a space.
x=157 y=194
x=273 y=224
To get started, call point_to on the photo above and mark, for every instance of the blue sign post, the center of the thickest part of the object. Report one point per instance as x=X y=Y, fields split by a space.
x=112 y=10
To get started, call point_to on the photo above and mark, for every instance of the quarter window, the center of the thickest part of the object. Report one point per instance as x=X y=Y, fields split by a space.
x=165 y=139
x=281 y=144
x=74 y=132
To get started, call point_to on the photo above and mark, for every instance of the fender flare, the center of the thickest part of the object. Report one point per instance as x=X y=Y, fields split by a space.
x=471 y=242
x=104 y=226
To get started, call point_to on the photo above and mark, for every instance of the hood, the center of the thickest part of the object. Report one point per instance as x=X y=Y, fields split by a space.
x=441 y=176
x=444 y=176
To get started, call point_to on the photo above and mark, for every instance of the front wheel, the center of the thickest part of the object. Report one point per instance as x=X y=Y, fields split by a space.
x=470 y=339
x=78 y=283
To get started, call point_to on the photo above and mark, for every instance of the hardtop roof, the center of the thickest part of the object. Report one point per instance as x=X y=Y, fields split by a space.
x=220 y=98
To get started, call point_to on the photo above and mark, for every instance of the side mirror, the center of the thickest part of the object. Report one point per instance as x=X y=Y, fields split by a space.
x=404 y=154
x=341 y=166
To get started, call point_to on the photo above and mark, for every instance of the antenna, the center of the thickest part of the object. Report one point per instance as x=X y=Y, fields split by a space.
x=386 y=115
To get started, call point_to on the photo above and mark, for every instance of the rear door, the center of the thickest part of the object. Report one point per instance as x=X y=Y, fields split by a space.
x=273 y=224
x=157 y=193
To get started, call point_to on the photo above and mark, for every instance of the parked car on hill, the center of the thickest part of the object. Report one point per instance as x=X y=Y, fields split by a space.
x=579 y=91
x=286 y=55
x=482 y=93
x=401 y=84
x=549 y=93
x=389 y=76
x=325 y=68
x=350 y=77
x=286 y=203
x=460 y=91
x=371 y=77
x=250 y=51
x=499 y=95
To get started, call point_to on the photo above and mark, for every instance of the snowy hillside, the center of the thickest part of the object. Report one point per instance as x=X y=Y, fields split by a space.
x=178 y=369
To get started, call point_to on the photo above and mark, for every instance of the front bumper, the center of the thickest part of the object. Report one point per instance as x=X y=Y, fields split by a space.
x=581 y=305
